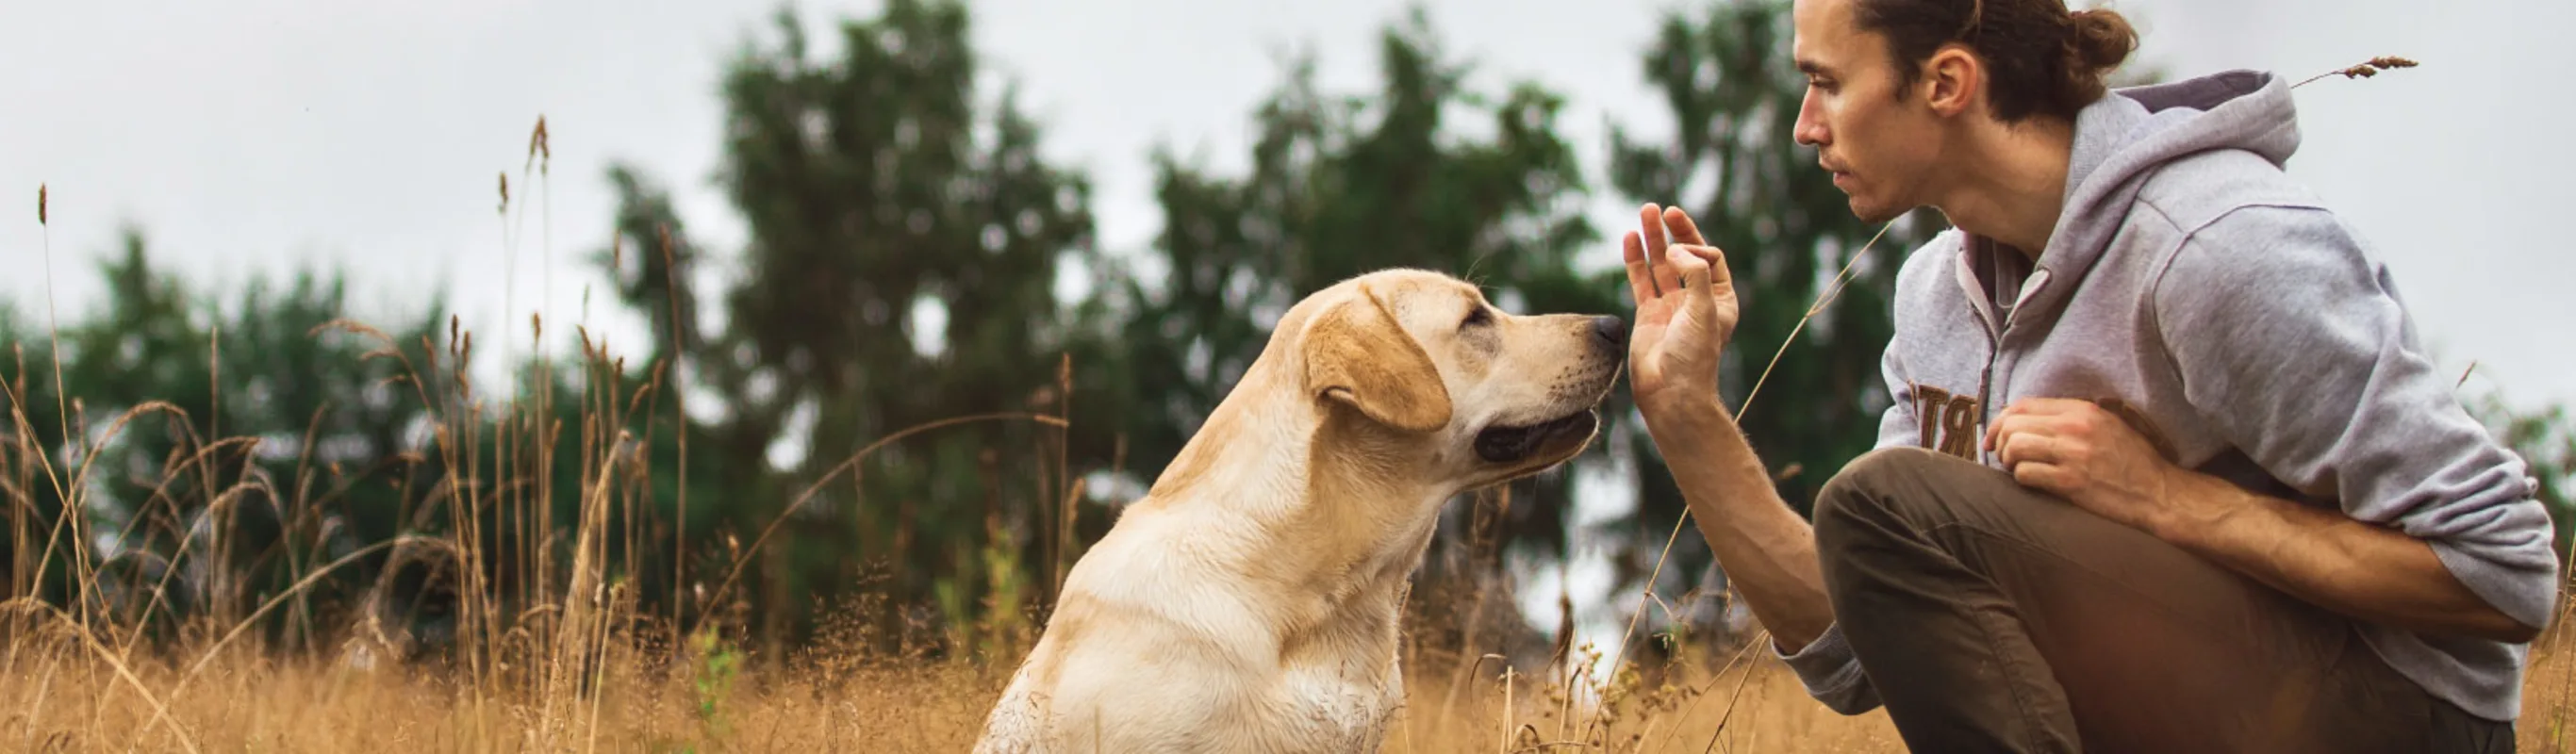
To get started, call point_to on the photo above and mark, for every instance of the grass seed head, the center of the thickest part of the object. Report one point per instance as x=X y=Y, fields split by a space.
x=2366 y=69
x=537 y=142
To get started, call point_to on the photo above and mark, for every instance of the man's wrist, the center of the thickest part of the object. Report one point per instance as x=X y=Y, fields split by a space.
x=1685 y=418
x=1704 y=450
x=2198 y=509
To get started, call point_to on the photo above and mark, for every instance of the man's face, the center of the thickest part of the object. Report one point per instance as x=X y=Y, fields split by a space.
x=1879 y=142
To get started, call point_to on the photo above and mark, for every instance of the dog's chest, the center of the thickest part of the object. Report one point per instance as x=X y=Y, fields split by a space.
x=1347 y=708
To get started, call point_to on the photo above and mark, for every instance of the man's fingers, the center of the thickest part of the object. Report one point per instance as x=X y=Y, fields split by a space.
x=1716 y=259
x=1691 y=269
x=1650 y=224
x=1995 y=429
x=2027 y=437
x=2021 y=413
x=1667 y=279
x=1641 y=276
x=2016 y=448
x=1678 y=223
x=2046 y=477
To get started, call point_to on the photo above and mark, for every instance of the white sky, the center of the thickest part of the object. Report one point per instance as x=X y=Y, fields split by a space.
x=253 y=136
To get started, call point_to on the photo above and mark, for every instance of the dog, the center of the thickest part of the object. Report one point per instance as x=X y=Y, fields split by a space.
x=1250 y=601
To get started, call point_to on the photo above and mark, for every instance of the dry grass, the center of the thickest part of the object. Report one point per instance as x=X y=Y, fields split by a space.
x=61 y=698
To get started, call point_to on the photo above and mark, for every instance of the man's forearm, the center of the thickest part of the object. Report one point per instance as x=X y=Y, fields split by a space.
x=1767 y=551
x=2363 y=571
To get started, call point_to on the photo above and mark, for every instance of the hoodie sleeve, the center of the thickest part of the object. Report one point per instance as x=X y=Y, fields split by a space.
x=2294 y=345
x=1830 y=672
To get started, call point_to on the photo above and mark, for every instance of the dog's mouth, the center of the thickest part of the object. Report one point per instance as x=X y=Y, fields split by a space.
x=1513 y=444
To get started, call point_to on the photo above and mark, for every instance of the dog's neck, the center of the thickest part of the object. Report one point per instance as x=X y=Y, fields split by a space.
x=1324 y=501
x=1358 y=483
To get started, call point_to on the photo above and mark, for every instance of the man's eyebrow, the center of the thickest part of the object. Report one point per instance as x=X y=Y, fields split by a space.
x=1813 y=68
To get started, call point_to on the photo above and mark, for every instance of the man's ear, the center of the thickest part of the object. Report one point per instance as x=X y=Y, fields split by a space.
x=1356 y=354
x=1953 y=79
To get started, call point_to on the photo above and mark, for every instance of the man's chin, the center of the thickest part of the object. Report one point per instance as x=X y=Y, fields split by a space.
x=1872 y=213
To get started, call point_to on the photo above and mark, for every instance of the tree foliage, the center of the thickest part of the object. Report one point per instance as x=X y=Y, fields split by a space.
x=203 y=432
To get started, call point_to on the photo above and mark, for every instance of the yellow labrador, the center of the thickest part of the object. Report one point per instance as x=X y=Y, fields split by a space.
x=1249 y=603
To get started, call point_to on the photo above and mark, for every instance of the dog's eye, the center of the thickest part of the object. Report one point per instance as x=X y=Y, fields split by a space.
x=1477 y=316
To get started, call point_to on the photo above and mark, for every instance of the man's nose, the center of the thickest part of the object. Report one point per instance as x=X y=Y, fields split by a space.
x=1809 y=129
x=1610 y=334
x=1807 y=133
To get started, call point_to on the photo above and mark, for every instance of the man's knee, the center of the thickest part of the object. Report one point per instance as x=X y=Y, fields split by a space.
x=1871 y=485
x=1881 y=498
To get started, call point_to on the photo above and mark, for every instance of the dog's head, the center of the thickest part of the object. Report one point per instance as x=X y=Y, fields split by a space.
x=1422 y=361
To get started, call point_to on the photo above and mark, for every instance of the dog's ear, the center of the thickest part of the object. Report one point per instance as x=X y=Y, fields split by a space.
x=1357 y=354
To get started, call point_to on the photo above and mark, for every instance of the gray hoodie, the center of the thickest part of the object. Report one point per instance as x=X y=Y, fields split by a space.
x=2221 y=308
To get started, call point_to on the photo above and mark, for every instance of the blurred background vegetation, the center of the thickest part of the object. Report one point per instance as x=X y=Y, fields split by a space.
x=906 y=245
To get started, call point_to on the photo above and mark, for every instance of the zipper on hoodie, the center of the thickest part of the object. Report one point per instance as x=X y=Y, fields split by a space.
x=1985 y=384
x=2029 y=287
x=1982 y=305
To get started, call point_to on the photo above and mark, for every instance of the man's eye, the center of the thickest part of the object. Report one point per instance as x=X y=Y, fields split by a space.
x=1477 y=316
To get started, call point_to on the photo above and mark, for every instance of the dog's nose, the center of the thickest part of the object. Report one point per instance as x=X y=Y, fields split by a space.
x=1610 y=333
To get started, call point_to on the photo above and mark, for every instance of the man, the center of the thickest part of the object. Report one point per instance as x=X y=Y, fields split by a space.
x=2166 y=469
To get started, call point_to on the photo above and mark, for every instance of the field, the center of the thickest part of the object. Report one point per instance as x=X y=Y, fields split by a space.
x=63 y=695
x=63 y=698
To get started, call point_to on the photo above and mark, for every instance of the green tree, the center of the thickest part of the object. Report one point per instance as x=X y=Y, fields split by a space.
x=651 y=260
x=904 y=245
x=266 y=441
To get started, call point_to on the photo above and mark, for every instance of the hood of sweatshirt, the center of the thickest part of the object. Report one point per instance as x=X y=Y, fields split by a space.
x=2122 y=139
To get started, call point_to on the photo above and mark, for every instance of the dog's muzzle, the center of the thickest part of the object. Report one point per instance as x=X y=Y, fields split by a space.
x=1512 y=444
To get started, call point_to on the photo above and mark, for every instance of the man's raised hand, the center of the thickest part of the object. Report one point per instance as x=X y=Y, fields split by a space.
x=1686 y=309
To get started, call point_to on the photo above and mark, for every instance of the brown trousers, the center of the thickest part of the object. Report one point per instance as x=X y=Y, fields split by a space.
x=1993 y=617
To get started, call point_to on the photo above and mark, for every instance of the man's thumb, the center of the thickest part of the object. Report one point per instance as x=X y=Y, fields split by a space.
x=1696 y=272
